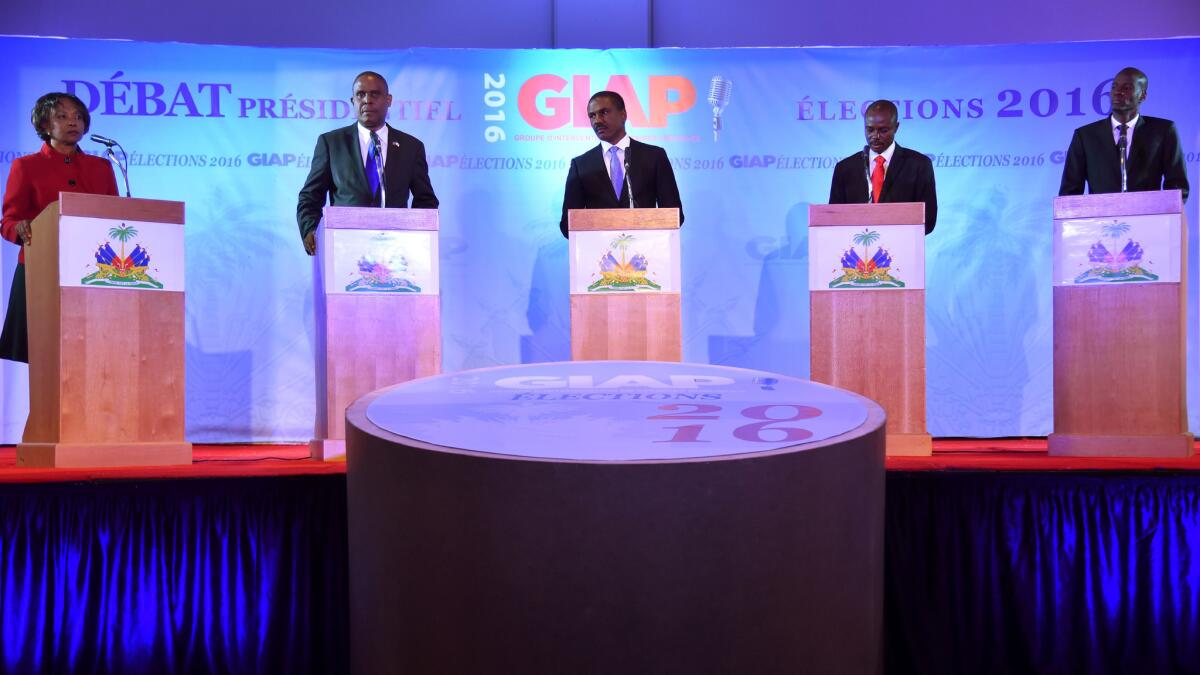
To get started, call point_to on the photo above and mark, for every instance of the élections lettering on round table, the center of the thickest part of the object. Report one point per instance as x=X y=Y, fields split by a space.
x=616 y=411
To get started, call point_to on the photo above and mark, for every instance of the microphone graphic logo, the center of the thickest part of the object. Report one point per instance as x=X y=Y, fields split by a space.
x=766 y=383
x=718 y=98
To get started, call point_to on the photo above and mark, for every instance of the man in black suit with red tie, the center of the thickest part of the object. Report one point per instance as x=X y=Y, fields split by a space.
x=346 y=163
x=1150 y=145
x=601 y=177
x=884 y=172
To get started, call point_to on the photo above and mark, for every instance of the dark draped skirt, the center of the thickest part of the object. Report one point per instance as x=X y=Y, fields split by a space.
x=14 y=340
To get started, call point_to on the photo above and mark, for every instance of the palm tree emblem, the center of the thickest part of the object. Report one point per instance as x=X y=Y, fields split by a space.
x=122 y=234
x=621 y=243
x=866 y=238
x=1115 y=230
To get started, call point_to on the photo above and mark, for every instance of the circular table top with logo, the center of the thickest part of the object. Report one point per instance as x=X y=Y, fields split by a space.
x=616 y=411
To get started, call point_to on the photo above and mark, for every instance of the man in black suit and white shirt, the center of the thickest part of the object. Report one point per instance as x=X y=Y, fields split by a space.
x=601 y=177
x=1153 y=156
x=345 y=164
x=885 y=172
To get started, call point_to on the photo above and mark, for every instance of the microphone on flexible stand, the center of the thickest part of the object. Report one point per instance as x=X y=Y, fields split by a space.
x=628 y=183
x=718 y=97
x=379 y=170
x=867 y=169
x=1122 y=147
x=122 y=164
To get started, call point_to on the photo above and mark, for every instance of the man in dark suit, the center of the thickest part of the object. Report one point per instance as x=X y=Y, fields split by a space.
x=895 y=174
x=1153 y=156
x=345 y=164
x=601 y=177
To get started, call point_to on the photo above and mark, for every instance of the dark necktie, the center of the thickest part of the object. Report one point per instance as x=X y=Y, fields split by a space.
x=372 y=167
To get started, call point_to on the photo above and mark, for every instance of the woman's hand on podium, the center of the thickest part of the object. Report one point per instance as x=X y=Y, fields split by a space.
x=24 y=232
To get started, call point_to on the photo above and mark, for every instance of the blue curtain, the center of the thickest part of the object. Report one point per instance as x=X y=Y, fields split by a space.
x=986 y=572
x=174 y=576
x=998 y=572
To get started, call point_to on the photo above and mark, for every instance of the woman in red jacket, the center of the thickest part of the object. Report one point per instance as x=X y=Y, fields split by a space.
x=34 y=181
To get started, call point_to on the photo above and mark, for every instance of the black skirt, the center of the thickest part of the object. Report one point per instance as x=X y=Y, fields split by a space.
x=14 y=340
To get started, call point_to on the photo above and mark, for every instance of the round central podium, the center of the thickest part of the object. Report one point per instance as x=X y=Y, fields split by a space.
x=615 y=517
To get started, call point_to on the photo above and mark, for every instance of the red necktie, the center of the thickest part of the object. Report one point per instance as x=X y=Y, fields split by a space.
x=877 y=178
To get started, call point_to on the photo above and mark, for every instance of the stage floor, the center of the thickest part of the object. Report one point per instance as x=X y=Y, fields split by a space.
x=231 y=461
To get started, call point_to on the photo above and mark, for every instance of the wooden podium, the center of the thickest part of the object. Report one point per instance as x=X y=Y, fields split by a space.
x=625 y=281
x=1120 y=353
x=106 y=334
x=867 y=310
x=378 y=309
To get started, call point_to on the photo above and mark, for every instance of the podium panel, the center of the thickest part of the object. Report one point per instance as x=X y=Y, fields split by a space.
x=867 y=311
x=625 y=284
x=106 y=333
x=378 y=308
x=1119 y=326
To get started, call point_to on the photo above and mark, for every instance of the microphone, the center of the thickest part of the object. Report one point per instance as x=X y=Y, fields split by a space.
x=718 y=98
x=122 y=164
x=628 y=183
x=1122 y=147
x=867 y=169
x=379 y=170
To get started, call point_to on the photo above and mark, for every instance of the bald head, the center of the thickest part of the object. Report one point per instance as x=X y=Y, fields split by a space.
x=880 y=124
x=885 y=107
x=1127 y=93
x=1138 y=76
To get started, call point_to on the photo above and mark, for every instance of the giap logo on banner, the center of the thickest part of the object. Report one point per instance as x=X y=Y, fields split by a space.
x=550 y=102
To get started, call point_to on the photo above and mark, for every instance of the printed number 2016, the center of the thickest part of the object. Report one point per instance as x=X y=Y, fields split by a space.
x=762 y=431
x=493 y=98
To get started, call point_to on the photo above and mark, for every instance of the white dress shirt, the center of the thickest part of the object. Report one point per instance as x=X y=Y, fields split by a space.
x=887 y=157
x=622 y=146
x=364 y=143
x=1128 y=131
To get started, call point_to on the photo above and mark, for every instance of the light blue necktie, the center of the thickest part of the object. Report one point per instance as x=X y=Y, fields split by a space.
x=616 y=170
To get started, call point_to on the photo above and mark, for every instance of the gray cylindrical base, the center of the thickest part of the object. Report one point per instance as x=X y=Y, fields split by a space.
x=470 y=563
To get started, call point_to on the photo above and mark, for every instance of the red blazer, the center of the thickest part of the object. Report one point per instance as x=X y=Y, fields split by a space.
x=34 y=182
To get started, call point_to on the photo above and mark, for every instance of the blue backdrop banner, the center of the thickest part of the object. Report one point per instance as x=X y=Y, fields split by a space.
x=230 y=131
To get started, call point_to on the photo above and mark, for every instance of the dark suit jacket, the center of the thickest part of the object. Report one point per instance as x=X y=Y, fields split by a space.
x=1155 y=160
x=909 y=178
x=338 y=171
x=650 y=174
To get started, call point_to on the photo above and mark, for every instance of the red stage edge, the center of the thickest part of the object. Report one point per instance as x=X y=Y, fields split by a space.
x=224 y=461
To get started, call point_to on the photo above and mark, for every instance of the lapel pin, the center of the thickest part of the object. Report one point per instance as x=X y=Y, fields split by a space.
x=396 y=144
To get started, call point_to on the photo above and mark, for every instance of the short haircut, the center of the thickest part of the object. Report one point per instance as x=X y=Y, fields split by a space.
x=612 y=95
x=369 y=73
x=884 y=105
x=1139 y=78
x=44 y=108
